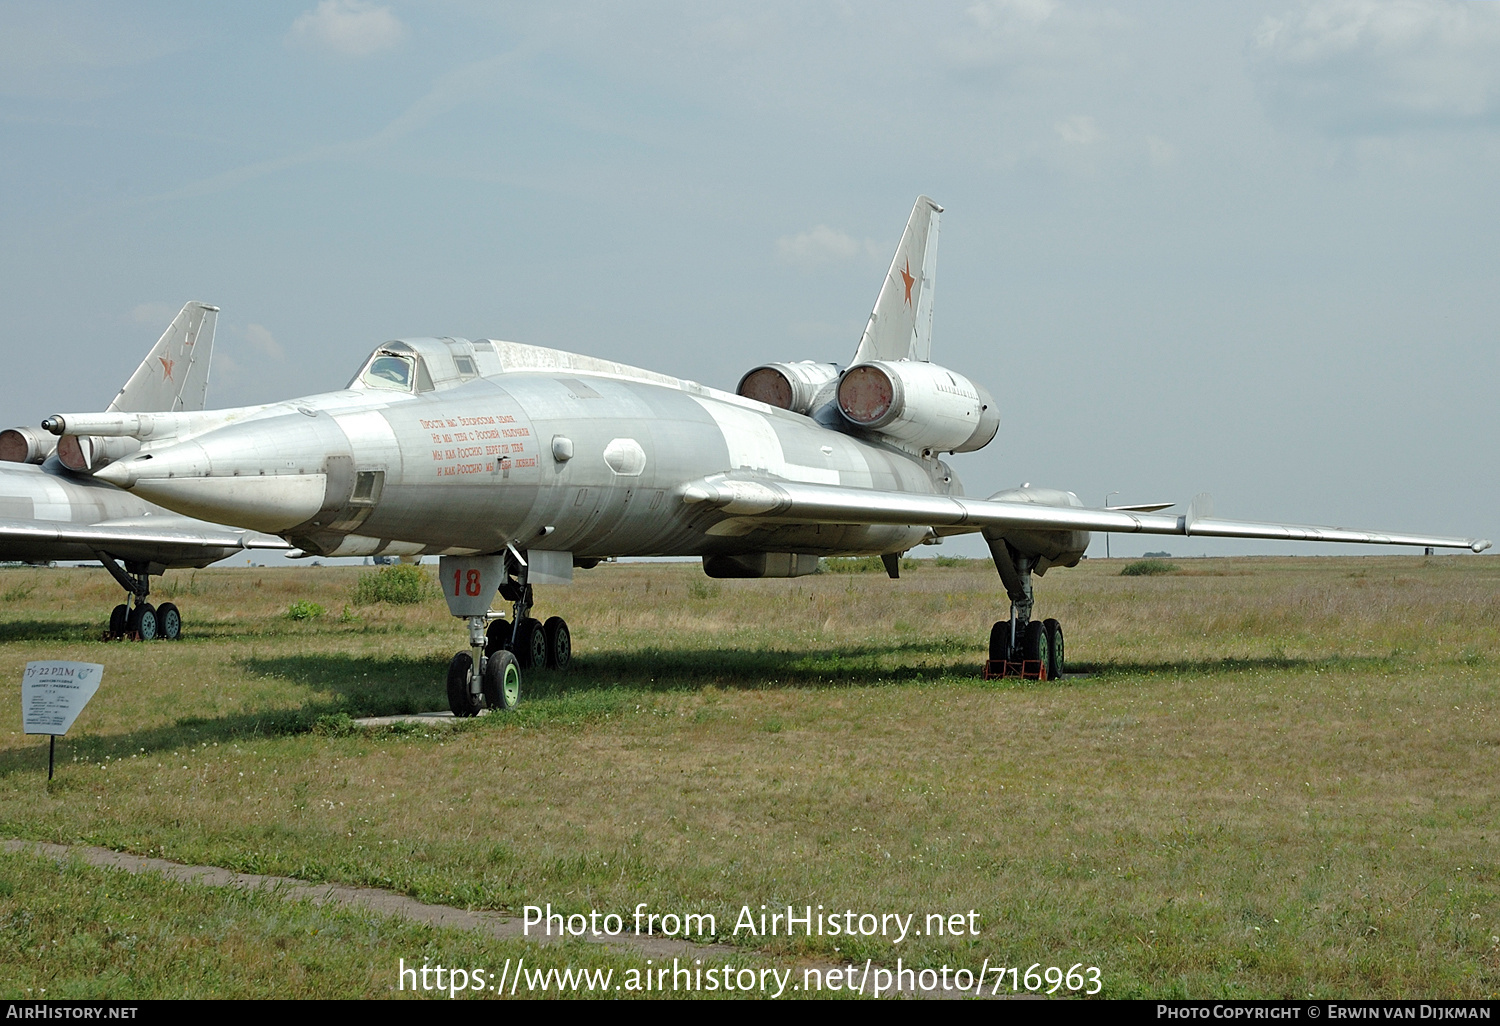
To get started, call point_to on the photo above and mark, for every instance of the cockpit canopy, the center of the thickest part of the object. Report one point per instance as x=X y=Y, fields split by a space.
x=425 y=364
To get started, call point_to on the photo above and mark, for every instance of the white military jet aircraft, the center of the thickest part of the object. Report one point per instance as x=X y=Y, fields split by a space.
x=52 y=508
x=516 y=463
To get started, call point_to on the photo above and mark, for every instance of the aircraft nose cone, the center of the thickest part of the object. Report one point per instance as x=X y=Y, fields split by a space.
x=265 y=476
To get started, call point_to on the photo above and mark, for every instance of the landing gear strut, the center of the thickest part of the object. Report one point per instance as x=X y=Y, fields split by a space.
x=135 y=617
x=1021 y=646
x=489 y=673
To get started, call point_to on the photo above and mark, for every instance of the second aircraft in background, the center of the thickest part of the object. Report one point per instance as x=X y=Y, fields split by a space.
x=52 y=508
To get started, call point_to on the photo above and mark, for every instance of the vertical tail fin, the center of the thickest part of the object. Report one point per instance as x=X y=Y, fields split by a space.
x=900 y=327
x=174 y=375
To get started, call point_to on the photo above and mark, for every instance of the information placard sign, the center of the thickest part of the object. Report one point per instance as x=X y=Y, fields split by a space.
x=53 y=693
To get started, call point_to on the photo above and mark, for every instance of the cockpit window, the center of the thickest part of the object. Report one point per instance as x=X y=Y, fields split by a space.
x=387 y=371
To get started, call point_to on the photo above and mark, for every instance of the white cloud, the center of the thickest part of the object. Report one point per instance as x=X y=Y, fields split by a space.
x=157 y=315
x=1030 y=37
x=999 y=14
x=1079 y=130
x=349 y=28
x=823 y=245
x=263 y=342
x=1371 y=66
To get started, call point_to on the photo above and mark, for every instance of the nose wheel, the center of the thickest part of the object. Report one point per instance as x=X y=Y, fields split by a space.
x=488 y=675
x=461 y=699
x=501 y=681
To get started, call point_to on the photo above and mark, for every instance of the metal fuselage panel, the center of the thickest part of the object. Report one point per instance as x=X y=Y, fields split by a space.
x=472 y=468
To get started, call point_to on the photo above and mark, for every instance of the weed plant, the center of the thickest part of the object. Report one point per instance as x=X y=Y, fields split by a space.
x=302 y=609
x=398 y=584
x=1148 y=568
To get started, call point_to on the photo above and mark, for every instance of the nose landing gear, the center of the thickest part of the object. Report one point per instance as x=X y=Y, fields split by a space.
x=489 y=673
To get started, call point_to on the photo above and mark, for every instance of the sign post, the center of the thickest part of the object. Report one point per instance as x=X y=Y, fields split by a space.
x=52 y=695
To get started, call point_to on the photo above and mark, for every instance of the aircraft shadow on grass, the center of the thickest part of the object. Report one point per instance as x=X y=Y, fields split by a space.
x=63 y=631
x=362 y=686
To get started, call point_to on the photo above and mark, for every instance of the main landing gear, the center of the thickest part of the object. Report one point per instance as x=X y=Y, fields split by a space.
x=489 y=673
x=135 y=618
x=1021 y=646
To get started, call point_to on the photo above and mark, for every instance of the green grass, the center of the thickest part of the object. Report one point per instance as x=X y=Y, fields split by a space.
x=1276 y=780
x=72 y=931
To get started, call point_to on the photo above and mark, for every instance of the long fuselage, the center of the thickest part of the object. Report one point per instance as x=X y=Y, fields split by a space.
x=584 y=463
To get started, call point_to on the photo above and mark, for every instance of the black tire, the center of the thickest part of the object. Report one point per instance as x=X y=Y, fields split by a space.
x=531 y=645
x=1054 y=633
x=559 y=643
x=1035 y=647
x=1000 y=642
x=459 y=699
x=143 y=622
x=502 y=681
x=119 y=621
x=497 y=636
x=168 y=622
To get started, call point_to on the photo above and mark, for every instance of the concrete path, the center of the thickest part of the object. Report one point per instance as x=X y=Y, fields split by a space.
x=374 y=899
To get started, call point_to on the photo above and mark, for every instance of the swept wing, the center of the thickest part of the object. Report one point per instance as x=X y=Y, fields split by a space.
x=791 y=502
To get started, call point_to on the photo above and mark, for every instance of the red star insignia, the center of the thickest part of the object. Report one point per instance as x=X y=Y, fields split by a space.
x=166 y=365
x=909 y=280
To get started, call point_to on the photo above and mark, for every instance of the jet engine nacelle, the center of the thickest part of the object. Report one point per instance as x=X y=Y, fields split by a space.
x=791 y=386
x=919 y=403
x=88 y=453
x=24 y=445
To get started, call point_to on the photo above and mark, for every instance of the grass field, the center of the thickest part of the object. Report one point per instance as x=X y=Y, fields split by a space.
x=1278 y=777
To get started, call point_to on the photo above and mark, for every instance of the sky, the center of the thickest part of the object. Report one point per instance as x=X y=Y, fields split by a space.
x=1246 y=249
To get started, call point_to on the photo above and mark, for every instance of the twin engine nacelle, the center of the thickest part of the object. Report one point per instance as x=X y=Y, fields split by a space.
x=26 y=445
x=920 y=404
x=800 y=387
x=82 y=453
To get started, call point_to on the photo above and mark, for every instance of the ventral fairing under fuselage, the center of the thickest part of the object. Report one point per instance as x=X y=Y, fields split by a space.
x=516 y=463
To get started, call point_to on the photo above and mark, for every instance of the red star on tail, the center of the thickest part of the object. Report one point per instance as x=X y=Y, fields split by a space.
x=166 y=365
x=909 y=280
